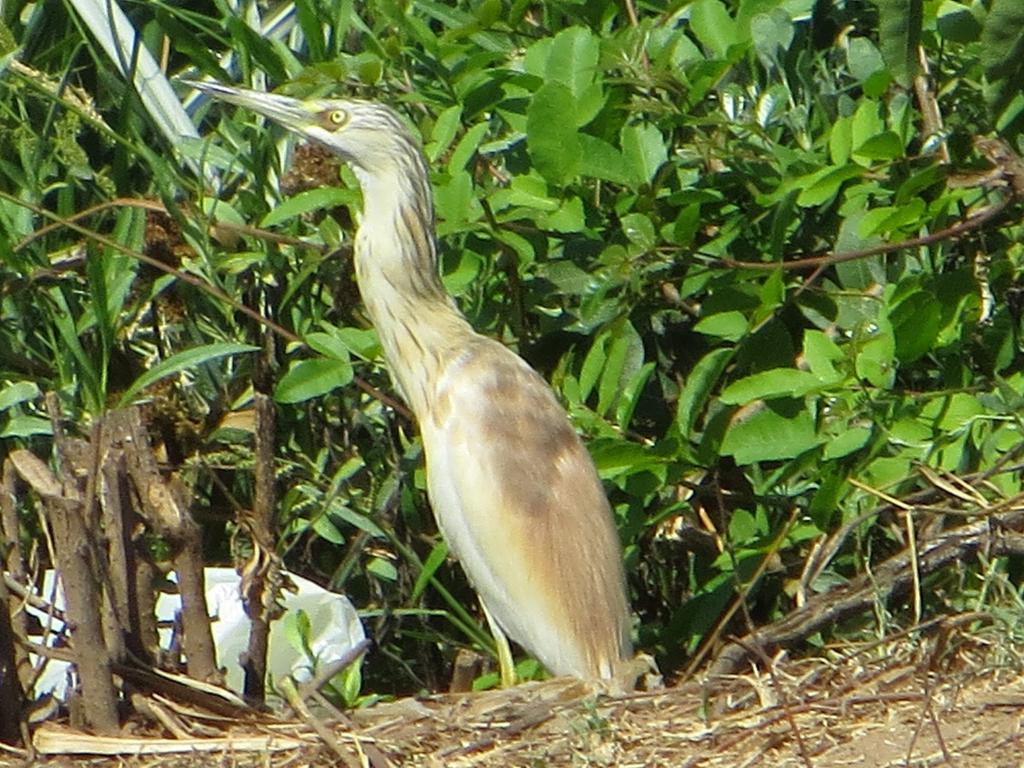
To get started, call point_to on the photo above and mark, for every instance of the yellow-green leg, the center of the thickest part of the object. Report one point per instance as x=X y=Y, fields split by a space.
x=505 y=663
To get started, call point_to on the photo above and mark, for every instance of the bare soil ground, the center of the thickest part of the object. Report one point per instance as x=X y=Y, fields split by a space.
x=909 y=702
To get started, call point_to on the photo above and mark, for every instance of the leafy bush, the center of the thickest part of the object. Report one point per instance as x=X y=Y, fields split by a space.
x=643 y=207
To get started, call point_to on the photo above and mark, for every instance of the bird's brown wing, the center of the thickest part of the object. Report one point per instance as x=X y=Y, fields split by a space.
x=521 y=506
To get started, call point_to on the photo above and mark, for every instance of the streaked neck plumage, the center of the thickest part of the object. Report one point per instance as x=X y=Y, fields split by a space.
x=396 y=266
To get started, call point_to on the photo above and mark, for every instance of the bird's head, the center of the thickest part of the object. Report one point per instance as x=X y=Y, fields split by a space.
x=371 y=137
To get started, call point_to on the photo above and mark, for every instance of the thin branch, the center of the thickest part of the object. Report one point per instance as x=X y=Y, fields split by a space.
x=153 y=205
x=202 y=285
x=959 y=229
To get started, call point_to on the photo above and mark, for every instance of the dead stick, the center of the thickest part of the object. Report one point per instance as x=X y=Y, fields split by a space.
x=258 y=587
x=892 y=579
x=14 y=567
x=81 y=593
x=164 y=505
x=12 y=702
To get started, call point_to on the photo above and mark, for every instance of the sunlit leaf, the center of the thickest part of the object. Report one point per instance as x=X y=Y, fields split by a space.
x=183 y=361
x=551 y=133
x=307 y=379
x=767 y=435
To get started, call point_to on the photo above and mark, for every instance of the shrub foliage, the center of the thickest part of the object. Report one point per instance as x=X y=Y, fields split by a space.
x=767 y=252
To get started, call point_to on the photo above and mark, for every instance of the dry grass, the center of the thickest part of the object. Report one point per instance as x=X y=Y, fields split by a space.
x=941 y=699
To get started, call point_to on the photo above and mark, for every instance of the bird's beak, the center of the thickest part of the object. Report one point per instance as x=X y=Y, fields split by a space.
x=291 y=113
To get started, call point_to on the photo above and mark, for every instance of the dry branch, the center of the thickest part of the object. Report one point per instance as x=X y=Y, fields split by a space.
x=12 y=701
x=64 y=509
x=163 y=504
x=11 y=605
x=995 y=535
x=53 y=740
x=262 y=574
x=106 y=496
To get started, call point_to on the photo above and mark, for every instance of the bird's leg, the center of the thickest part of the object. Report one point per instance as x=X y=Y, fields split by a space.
x=505 y=664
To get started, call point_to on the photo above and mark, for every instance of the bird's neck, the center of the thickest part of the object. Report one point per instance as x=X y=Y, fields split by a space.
x=419 y=326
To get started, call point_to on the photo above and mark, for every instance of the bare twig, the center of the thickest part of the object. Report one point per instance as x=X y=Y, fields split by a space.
x=957 y=230
x=202 y=285
x=892 y=579
x=165 y=507
x=328 y=671
x=64 y=513
x=153 y=205
x=14 y=568
x=261 y=577
x=322 y=730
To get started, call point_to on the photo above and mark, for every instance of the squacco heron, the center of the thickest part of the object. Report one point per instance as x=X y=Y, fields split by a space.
x=513 y=489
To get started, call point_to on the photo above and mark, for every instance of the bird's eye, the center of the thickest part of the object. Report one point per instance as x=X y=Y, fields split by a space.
x=337 y=117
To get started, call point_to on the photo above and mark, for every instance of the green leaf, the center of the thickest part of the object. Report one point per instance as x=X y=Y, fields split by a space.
x=777 y=382
x=924 y=179
x=840 y=141
x=698 y=387
x=434 y=561
x=593 y=364
x=1002 y=53
x=743 y=527
x=643 y=149
x=572 y=59
x=616 y=457
x=361 y=342
x=569 y=278
x=456 y=203
x=465 y=274
x=358 y=520
x=187 y=44
x=600 y=160
x=876 y=362
x=527 y=190
x=625 y=356
x=382 y=569
x=325 y=528
x=319 y=199
x=446 y=127
x=307 y=379
x=888 y=472
x=467 y=147
x=819 y=354
x=772 y=34
x=858 y=274
x=867 y=123
x=630 y=396
x=551 y=137
x=713 y=27
x=957 y=23
x=953 y=413
x=328 y=345
x=311 y=29
x=890 y=218
x=261 y=51
x=730 y=326
x=639 y=230
x=847 y=442
x=568 y=218
x=773 y=293
x=589 y=104
x=18 y=392
x=882 y=146
x=899 y=33
x=26 y=426
x=768 y=435
x=823 y=185
x=863 y=58
x=368 y=67
x=190 y=358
